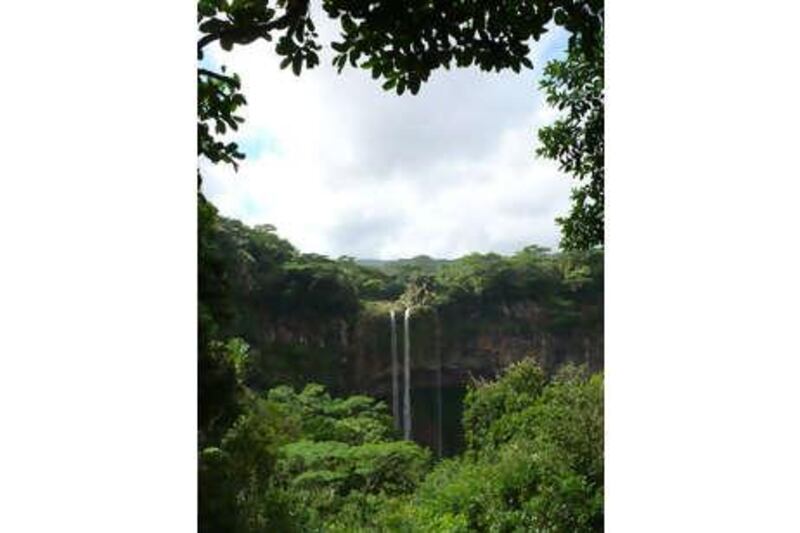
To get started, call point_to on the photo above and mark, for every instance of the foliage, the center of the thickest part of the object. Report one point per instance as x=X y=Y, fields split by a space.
x=265 y=274
x=218 y=101
x=400 y=43
x=346 y=458
x=220 y=390
x=576 y=141
x=567 y=286
x=214 y=304
x=534 y=462
x=353 y=420
x=251 y=279
x=323 y=476
x=477 y=275
x=569 y=278
x=404 y=268
x=371 y=283
x=305 y=460
x=403 y=42
x=317 y=286
x=488 y=404
x=236 y=486
x=292 y=308
x=241 y=22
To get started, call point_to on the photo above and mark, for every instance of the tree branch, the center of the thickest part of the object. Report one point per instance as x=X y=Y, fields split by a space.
x=216 y=75
x=278 y=23
x=207 y=39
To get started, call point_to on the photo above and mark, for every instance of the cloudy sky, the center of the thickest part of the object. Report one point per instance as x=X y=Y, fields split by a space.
x=341 y=167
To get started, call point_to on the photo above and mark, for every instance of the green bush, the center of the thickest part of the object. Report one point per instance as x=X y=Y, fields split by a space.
x=236 y=480
x=345 y=467
x=489 y=406
x=534 y=462
x=306 y=461
x=353 y=420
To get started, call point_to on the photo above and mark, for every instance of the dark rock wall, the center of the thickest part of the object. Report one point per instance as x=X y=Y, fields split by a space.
x=478 y=343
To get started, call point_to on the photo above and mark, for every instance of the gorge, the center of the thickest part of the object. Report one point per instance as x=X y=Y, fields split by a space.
x=308 y=318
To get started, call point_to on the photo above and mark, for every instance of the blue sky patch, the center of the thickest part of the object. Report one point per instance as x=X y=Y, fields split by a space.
x=254 y=146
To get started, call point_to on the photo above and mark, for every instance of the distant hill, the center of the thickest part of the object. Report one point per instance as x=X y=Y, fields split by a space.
x=421 y=263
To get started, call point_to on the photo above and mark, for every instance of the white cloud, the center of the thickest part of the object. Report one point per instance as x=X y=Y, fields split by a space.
x=354 y=170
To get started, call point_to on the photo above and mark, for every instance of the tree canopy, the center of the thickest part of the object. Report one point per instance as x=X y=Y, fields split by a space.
x=401 y=44
x=575 y=87
x=302 y=460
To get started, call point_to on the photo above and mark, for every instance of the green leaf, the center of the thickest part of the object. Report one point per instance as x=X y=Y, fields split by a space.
x=348 y=25
x=212 y=26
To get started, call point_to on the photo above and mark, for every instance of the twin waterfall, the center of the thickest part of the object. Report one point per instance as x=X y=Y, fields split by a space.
x=402 y=419
x=395 y=381
x=407 y=375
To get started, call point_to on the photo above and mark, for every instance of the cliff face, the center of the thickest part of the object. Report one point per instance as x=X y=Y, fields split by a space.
x=466 y=342
x=450 y=345
x=355 y=356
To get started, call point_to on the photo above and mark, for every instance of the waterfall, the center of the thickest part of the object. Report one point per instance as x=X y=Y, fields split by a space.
x=438 y=348
x=395 y=372
x=407 y=376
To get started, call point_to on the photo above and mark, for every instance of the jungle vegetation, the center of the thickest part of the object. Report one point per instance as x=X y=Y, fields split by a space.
x=279 y=450
x=302 y=460
x=286 y=455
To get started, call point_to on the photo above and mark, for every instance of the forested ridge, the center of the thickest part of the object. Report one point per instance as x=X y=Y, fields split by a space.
x=253 y=266
x=256 y=286
x=279 y=452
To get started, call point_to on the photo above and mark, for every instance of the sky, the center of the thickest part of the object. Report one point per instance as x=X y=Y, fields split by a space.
x=342 y=167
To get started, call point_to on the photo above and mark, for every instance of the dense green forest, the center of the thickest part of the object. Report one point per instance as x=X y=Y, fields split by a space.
x=295 y=432
x=306 y=461
x=279 y=452
x=291 y=308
